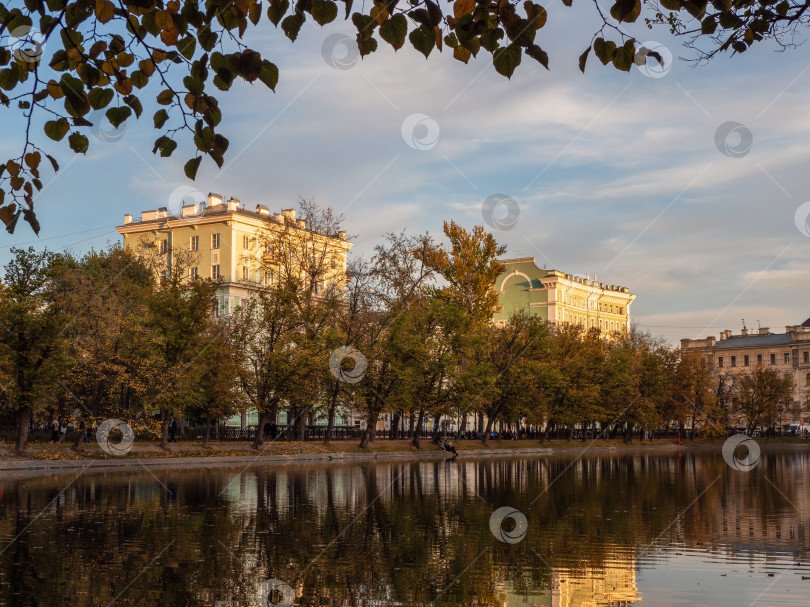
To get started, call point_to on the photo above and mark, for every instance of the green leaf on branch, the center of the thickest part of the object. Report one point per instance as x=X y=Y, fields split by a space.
x=324 y=11
x=394 y=30
x=583 y=58
x=57 y=129
x=78 y=143
x=604 y=51
x=538 y=54
x=117 y=115
x=191 y=167
x=269 y=74
x=161 y=116
x=624 y=56
x=423 y=40
x=506 y=59
x=292 y=25
x=165 y=145
x=626 y=10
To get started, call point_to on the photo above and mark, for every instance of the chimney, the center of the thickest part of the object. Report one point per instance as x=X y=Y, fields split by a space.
x=342 y=234
x=233 y=204
x=722 y=336
x=278 y=217
x=127 y=218
x=215 y=199
x=301 y=224
x=744 y=332
x=262 y=210
x=149 y=215
x=189 y=210
x=685 y=343
x=764 y=331
x=289 y=214
x=162 y=212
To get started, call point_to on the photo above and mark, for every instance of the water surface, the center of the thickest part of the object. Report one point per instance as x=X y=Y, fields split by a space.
x=654 y=529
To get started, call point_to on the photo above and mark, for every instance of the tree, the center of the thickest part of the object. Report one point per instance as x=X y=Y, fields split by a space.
x=695 y=387
x=761 y=395
x=32 y=326
x=104 y=294
x=101 y=54
x=181 y=315
x=217 y=394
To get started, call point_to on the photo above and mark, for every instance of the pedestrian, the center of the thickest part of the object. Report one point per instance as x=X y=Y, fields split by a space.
x=172 y=430
x=62 y=431
x=54 y=430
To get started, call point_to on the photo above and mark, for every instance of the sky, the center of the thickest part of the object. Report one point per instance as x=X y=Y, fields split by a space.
x=686 y=185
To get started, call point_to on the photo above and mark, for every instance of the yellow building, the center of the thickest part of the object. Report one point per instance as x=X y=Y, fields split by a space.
x=561 y=298
x=244 y=249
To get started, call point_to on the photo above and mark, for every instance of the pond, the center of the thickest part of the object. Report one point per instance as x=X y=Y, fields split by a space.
x=674 y=528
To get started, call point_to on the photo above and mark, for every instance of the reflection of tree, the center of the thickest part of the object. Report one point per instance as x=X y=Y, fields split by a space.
x=411 y=533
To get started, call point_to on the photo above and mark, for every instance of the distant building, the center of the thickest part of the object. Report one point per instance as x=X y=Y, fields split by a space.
x=788 y=353
x=229 y=243
x=561 y=298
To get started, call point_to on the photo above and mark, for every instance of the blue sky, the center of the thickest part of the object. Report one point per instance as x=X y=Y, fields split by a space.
x=614 y=174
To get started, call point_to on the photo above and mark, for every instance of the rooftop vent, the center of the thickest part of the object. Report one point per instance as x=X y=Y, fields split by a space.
x=189 y=210
x=342 y=234
x=215 y=199
x=149 y=215
x=262 y=210
x=127 y=218
x=234 y=204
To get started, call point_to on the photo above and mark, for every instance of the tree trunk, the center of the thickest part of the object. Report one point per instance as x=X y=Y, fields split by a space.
x=395 y=426
x=23 y=422
x=330 y=423
x=367 y=435
x=584 y=430
x=417 y=430
x=77 y=446
x=259 y=439
x=300 y=427
x=487 y=432
x=164 y=429
x=206 y=431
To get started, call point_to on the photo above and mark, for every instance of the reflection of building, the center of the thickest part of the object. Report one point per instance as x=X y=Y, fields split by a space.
x=561 y=298
x=788 y=353
x=611 y=585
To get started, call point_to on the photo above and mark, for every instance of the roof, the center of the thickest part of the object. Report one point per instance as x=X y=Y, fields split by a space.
x=806 y=323
x=779 y=339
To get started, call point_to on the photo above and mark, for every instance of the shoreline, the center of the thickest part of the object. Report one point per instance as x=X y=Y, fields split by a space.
x=14 y=467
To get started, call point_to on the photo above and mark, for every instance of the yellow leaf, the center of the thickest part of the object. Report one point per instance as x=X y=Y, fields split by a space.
x=462 y=54
x=105 y=10
x=438 y=38
x=463 y=7
x=379 y=13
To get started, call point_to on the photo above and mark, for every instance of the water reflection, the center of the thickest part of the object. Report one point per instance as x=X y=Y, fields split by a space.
x=662 y=529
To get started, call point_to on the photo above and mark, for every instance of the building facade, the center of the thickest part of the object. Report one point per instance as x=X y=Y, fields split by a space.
x=227 y=242
x=788 y=353
x=561 y=298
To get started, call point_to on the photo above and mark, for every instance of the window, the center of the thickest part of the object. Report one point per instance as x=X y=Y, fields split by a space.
x=773 y=359
x=807 y=380
x=733 y=361
x=806 y=356
x=268 y=277
x=620 y=310
x=215 y=272
x=759 y=359
x=787 y=358
x=214 y=241
x=334 y=264
x=195 y=243
x=245 y=273
x=164 y=246
x=193 y=273
x=245 y=242
x=745 y=360
x=720 y=361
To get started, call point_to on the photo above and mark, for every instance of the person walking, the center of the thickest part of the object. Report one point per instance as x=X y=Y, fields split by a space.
x=62 y=431
x=172 y=430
